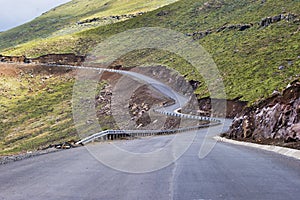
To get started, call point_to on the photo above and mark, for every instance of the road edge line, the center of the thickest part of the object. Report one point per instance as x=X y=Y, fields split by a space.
x=294 y=153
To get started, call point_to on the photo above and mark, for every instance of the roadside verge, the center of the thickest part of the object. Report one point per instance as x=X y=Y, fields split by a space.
x=294 y=153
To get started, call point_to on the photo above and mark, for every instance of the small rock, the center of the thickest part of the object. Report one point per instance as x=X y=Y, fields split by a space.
x=162 y=13
x=281 y=67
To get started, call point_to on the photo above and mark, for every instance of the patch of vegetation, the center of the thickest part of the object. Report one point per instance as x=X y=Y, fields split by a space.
x=35 y=112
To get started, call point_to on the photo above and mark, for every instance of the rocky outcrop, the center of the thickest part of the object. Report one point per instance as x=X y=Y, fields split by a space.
x=277 y=117
x=194 y=84
x=239 y=27
x=197 y=35
x=200 y=34
x=289 y=17
x=89 y=20
x=103 y=101
x=274 y=19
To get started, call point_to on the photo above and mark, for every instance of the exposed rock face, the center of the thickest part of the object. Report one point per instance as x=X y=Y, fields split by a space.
x=103 y=101
x=275 y=118
x=194 y=84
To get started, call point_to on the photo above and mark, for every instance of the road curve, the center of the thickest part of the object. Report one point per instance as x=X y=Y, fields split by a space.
x=179 y=101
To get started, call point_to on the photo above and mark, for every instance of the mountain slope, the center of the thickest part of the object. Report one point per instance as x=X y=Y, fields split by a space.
x=254 y=61
x=63 y=18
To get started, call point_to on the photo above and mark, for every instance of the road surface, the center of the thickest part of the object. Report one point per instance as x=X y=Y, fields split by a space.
x=228 y=172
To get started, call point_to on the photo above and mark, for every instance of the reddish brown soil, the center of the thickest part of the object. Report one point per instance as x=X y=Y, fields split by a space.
x=13 y=70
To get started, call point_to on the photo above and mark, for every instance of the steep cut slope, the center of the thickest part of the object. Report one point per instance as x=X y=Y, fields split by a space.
x=275 y=120
x=63 y=19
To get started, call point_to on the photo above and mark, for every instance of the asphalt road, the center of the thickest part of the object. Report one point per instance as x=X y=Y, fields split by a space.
x=227 y=172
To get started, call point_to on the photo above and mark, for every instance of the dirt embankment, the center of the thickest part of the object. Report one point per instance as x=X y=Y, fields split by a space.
x=17 y=69
x=142 y=100
x=233 y=107
x=58 y=59
x=275 y=120
x=197 y=106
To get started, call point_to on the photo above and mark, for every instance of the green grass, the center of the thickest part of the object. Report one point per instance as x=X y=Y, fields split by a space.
x=35 y=113
x=62 y=20
x=36 y=110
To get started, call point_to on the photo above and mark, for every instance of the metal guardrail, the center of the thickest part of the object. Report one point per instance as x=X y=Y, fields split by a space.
x=115 y=134
x=186 y=116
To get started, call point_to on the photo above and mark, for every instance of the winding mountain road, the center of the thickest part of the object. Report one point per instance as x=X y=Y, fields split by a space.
x=227 y=172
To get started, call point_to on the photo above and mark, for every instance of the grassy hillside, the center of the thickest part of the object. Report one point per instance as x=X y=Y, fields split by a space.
x=249 y=60
x=36 y=107
x=253 y=62
x=63 y=19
